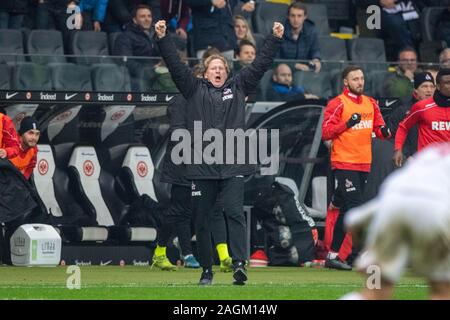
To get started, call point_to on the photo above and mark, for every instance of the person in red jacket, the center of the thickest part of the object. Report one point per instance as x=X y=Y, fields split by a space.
x=9 y=141
x=349 y=121
x=432 y=116
x=29 y=132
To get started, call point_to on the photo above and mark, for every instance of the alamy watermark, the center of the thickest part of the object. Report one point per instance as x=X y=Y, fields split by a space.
x=74 y=21
x=373 y=281
x=74 y=280
x=236 y=146
x=374 y=20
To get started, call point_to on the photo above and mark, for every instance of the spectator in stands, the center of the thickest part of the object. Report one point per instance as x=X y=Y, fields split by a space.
x=301 y=40
x=29 y=133
x=443 y=27
x=245 y=55
x=242 y=30
x=402 y=83
x=9 y=141
x=118 y=14
x=400 y=23
x=93 y=12
x=178 y=11
x=137 y=41
x=213 y=26
x=444 y=58
x=282 y=88
x=53 y=14
x=12 y=13
x=423 y=88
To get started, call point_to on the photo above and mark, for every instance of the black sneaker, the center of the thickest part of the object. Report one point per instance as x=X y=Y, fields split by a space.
x=240 y=274
x=206 y=278
x=336 y=263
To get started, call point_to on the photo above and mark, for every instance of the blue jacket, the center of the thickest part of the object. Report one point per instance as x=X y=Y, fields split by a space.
x=98 y=6
x=281 y=92
x=306 y=47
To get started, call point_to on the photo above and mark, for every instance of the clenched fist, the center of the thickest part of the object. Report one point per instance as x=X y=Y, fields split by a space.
x=160 y=28
x=278 y=30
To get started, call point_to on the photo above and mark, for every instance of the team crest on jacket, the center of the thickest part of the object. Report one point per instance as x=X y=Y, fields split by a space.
x=227 y=94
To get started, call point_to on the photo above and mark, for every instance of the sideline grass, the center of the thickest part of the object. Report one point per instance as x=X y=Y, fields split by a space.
x=129 y=282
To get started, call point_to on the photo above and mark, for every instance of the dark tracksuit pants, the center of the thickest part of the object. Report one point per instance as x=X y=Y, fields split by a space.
x=204 y=196
x=350 y=187
x=178 y=219
x=179 y=216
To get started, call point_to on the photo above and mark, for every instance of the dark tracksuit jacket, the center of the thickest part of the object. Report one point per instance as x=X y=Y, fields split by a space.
x=219 y=108
x=396 y=117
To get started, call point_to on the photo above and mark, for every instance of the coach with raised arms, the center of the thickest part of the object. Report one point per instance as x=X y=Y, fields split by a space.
x=217 y=101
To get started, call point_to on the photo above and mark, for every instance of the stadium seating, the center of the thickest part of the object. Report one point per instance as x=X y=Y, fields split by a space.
x=332 y=48
x=11 y=43
x=369 y=50
x=48 y=43
x=137 y=173
x=110 y=77
x=89 y=44
x=5 y=78
x=30 y=76
x=263 y=86
x=266 y=13
x=315 y=83
x=112 y=37
x=95 y=191
x=377 y=83
x=429 y=17
x=144 y=80
x=71 y=77
x=70 y=221
x=318 y=14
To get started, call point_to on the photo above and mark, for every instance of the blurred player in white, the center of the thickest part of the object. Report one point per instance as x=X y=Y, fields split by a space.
x=408 y=224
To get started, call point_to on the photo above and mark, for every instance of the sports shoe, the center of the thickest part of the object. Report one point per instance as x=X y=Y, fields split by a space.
x=336 y=263
x=226 y=265
x=206 y=278
x=240 y=274
x=163 y=263
x=191 y=262
x=259 y=259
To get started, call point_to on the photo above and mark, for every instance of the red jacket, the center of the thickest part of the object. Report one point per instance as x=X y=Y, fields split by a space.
x=433 y=122
x=26 y=161
x=9 y=140
x=351 y=147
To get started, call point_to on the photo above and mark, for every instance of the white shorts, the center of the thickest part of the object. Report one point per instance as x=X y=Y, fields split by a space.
x=405 y=230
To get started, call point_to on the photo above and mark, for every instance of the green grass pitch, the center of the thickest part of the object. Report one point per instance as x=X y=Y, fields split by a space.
x=129 y=282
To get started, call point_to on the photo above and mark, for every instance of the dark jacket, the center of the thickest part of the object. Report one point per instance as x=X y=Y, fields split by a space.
x=176 y=112
x=134 y=42
x=60 y=4
x=216 y=28
x=16 y=194
x=397 y=116
x=15 y=6
x=306 y=47
x=219 y=108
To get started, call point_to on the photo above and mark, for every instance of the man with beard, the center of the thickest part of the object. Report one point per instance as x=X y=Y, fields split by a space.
x=29 y=136
x=432 y=117
x=349 y=121
x=424 y=87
